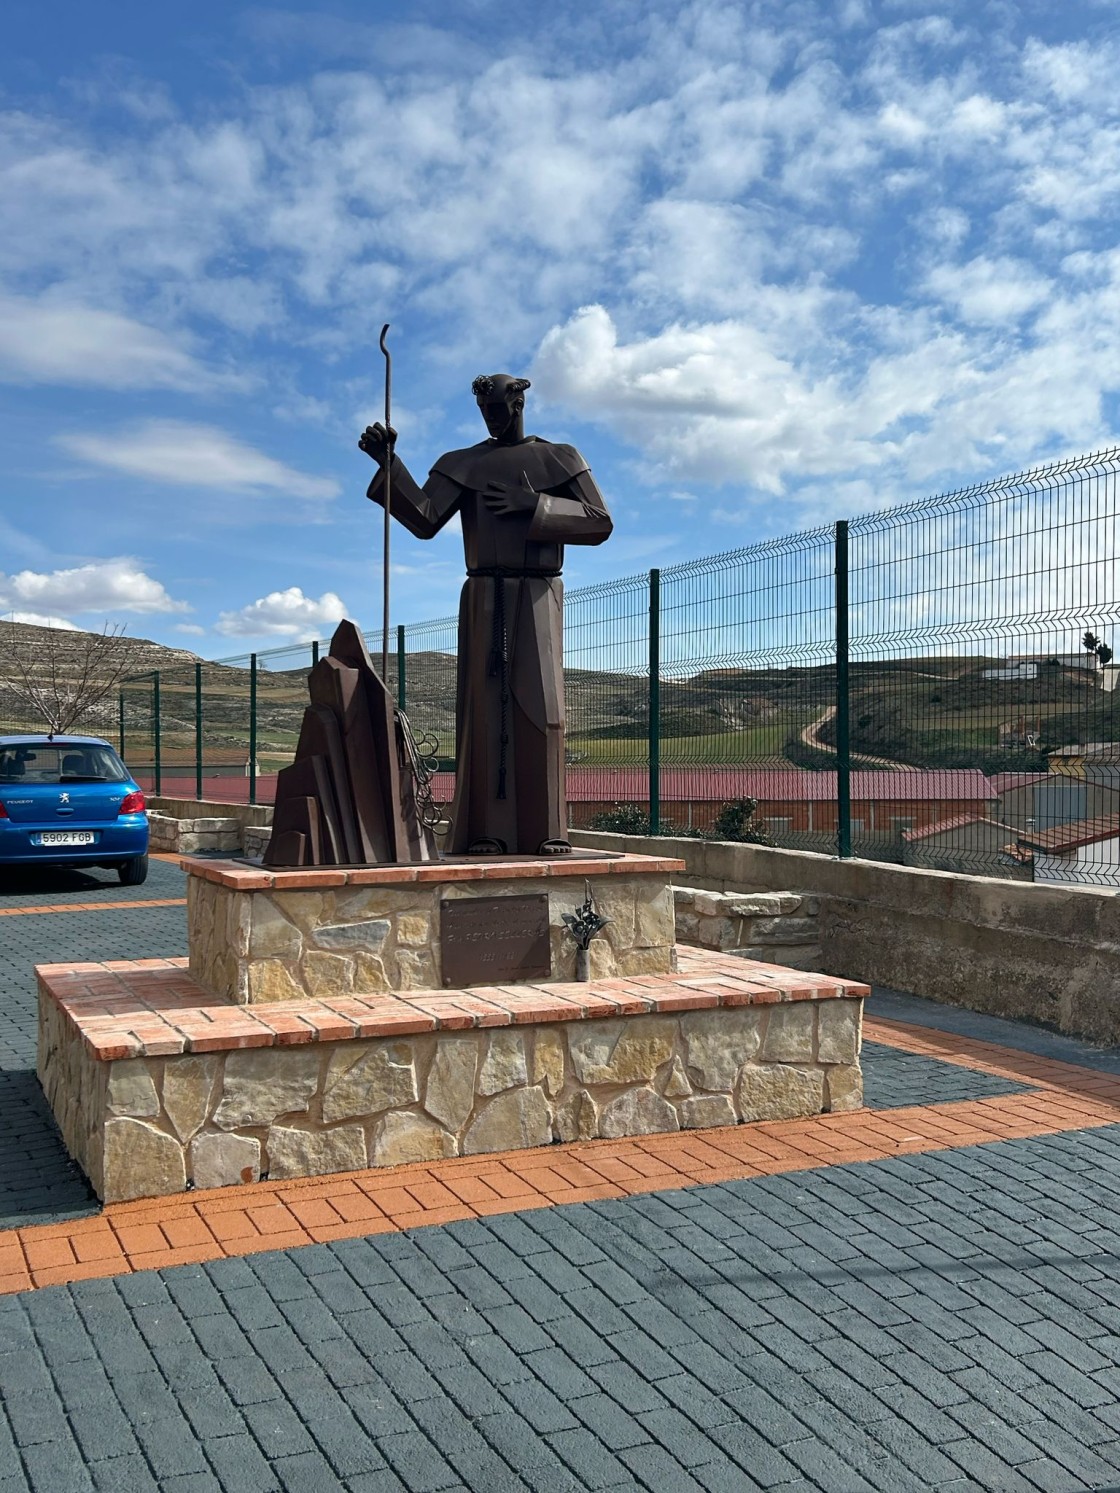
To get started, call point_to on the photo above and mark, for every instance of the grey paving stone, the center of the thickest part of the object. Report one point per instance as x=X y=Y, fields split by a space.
x=893 y=1079
x=417 y=1462
x=240 y=1465
x=127 y=1474
x=307 y=1472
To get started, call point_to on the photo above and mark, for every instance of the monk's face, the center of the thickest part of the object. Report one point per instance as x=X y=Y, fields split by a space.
x=500 y=412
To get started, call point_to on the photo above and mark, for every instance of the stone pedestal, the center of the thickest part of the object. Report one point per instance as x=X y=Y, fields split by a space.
x=258 y=935
x=157 y=1085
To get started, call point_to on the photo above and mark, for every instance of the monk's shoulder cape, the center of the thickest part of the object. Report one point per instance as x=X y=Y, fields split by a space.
x=547 y=465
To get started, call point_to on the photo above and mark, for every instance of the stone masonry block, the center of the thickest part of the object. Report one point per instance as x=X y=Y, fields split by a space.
x=271 y=935
x=845 y=1088
x=640 y=1111
x=617 y=1052
x=131 y=1090
x=796 y=956
x=705 y=1110
x=188 y=1083
x=366 y=1078
x=718 y=1043
x=783 y=931
x=402 y=1138
x=838 y=1031
x=774 y=1092
x=225 y=1160
x=263 y=1083
x=789 y=1033
x=309 y=1153
x=451 y=1090
x=505 y=1065
x=510 y=1122
x=140 y=1161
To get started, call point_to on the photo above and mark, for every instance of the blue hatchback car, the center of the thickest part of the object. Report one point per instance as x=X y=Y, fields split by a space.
x=70 y=801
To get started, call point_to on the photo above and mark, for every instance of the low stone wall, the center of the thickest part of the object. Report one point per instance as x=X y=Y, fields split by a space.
x=254 y=840
x=159 y=1121
x=256 y=935
x=1048 y=954
x=194 y=808
x=776 y=927
x=188 y=836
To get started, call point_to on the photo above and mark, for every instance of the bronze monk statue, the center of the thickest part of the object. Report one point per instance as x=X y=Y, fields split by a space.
x=520 y=499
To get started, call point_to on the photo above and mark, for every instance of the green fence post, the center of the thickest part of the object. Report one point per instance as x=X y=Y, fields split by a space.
x=655 y=702
x=198 y=730
x=252 y=728
x=400 y=666
x=120 y=720
x=314 y=652
x=843 y=721
x=156 y=732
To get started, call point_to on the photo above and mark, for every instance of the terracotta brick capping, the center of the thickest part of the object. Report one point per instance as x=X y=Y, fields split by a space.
x=153 y=1008
x=454 y=868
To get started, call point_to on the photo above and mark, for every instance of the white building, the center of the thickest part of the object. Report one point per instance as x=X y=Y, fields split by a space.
x=1083 y=851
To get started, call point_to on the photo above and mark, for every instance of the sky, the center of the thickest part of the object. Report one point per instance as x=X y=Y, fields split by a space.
x=766 y=265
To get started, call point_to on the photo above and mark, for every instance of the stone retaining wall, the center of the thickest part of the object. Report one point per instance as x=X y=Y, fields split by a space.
x=775 y=927
x=1041 y=953
x=187 y=836
x=192 y=808
x=153 y=1125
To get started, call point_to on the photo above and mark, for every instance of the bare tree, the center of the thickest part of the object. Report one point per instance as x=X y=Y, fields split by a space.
x=60 y=676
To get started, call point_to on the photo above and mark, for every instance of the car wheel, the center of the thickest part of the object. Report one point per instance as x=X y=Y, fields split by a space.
x=133 y=872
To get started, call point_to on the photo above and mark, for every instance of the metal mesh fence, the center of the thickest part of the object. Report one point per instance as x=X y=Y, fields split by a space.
x=982 y=629
x=932 y=684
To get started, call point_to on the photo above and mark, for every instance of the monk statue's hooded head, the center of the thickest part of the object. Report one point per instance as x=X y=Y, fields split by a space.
x=501 y=398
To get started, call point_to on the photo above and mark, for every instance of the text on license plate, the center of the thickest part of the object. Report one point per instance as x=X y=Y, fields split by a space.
x=67 y=837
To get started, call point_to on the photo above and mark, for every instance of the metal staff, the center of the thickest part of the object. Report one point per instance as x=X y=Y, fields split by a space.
x=388 y=505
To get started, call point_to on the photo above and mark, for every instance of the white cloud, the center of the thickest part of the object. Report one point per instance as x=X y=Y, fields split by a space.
x=64 y=342
x=118 y=585
x=993 y=291
x=190 y=455
x=38 y=619
x=284 y=614
x=192 y=629
x=809 y=254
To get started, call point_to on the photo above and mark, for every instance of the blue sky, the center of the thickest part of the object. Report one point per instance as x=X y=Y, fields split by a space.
x=766 y=264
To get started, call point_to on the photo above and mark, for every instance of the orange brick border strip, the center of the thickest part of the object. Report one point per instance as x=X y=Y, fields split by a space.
x=19 y=912
x=156 y=1233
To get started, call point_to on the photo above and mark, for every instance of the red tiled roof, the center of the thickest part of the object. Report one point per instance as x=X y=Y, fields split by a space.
x=588 y=784
x=1073 y=834
x=957 y=821
x=1003 y=781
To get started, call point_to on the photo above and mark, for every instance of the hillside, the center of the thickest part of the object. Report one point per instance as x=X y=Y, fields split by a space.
x=932 y=711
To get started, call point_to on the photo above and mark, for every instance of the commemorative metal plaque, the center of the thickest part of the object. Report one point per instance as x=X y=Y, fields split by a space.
x=494 y=940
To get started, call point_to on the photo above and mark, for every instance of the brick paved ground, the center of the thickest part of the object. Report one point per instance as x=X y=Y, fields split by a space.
x=37 y=1178
x=948 y=1319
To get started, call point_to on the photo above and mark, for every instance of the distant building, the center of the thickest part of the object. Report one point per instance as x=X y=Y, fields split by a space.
x=1025 y=668
x=1040 y=801
x=796 y=804
x=1084 y=660
x=1086 y=852
x=1097 y=759
x=969 y=843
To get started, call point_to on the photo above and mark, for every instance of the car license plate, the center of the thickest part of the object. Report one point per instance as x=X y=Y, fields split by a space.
x=67 y=837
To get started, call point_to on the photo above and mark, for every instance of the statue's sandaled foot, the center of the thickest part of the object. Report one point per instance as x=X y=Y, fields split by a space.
x=554 y=847
x=487 y=847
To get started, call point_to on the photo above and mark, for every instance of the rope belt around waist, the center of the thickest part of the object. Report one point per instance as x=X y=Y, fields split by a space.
x=509 y=573
x=499 y=647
